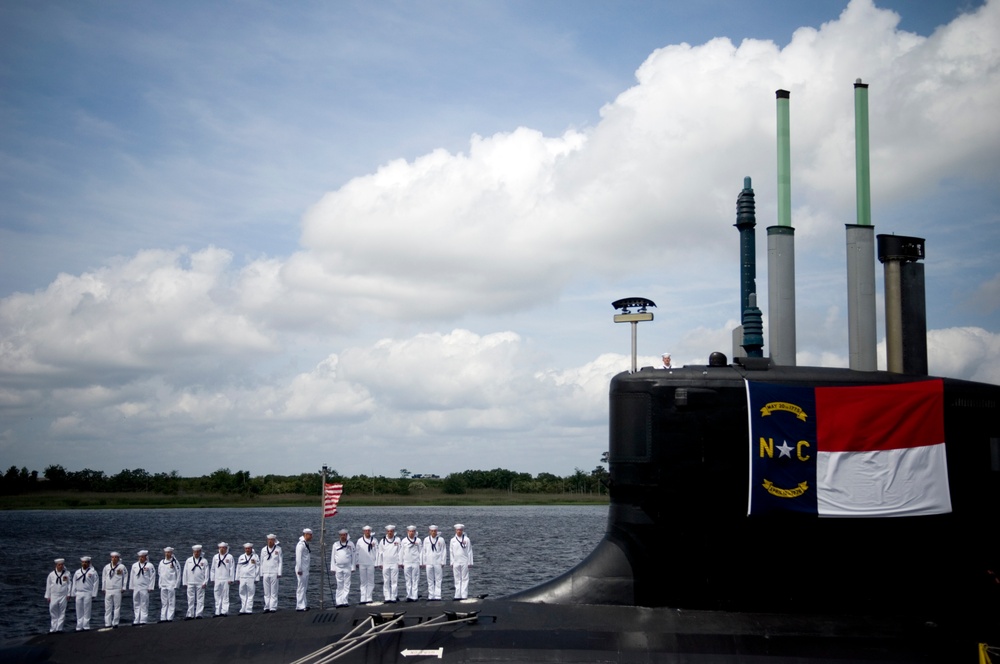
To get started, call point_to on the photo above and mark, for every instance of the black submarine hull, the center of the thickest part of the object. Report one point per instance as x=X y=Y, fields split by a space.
x=678 y=533
x=507 y=631
x=682 y=574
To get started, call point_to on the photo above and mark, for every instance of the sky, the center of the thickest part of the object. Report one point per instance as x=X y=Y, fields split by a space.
x=376 y=236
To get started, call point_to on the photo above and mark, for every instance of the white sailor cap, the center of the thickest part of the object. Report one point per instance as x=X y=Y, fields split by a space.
x=665 y=355
x=115 y=554
x=223 y=545
x=248 y=545
x=197 y=547
x=307 y=531
x=272 y=536
x=390 y=527
x=410 y=528
x=144 y=552
x=84 y=559
x=459 y=526
x=367 y=528
x=168 y=549
x=343 y=531
x=59 y=560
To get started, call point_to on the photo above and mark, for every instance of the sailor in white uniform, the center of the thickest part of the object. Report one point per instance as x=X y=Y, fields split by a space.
x=366 y=551
x=270 y=568
x=413 y=559
x=302 y=556
x=435 y=556
x=58 y=585
x=114 y=581
x=247 y=571
x=85 y=586
x=168 y=575
x=342 y=563
x=194 y=575
x=222 y=573
x=390 y=559
x=142 y=580
x=461 y=560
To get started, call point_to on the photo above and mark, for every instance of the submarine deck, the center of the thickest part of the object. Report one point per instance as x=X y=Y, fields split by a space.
x=505 y=631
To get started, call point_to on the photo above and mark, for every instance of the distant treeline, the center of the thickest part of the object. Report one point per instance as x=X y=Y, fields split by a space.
x=224 y=481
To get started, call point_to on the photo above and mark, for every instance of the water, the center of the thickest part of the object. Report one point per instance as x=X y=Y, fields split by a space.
x=515 y=548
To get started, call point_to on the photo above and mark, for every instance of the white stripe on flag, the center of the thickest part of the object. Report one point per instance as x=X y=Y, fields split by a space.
x=901 y=482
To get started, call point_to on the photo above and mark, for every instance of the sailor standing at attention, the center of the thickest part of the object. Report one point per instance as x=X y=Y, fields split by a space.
x=302 y=555
x=223 y=573
x=435 y=556
x=114 y=580
x=270 y=569
x=461 y=561
x=169 y=577
x=366 y=550
x=194 y=575
x=247 y=571
x=142 y=580
x=342 y=562
x=390 y=559
x=85 y=586
x=57 y=588
x=413 y=558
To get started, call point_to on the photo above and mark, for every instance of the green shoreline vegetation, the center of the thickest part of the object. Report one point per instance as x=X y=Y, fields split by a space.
x=58 y=488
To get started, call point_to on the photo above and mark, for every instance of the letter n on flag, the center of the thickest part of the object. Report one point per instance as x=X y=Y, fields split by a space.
x=864 y=451
x=331 y=496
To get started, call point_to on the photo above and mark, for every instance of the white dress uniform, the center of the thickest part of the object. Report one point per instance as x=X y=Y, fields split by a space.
x=57 y=588
x=302 y=557
x=366 y=551
x=270 y=567
x=114 y=581
x=435 y=557
x=142 y=580
x=247 y=571
x=413 y=558
x=194 y=575
x=168 y=575
x=343 y=558
x=85 y=587
x=223 y=573
x=390 y=557
x=461 y=560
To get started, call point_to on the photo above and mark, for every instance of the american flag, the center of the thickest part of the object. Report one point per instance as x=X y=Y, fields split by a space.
x=331 y=496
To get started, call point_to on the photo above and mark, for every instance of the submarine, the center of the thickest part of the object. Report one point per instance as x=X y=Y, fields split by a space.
x=732 y=533
x=683 y=573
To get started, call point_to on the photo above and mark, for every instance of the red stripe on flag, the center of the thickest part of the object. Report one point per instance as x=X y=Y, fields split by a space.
x=879 y=417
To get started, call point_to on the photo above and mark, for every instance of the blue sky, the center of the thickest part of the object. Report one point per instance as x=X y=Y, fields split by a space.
x=381 y=236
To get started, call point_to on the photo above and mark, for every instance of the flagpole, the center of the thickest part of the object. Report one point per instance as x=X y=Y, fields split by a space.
x=322 y=537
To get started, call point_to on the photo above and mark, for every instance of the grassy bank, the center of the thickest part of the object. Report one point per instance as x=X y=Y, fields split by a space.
x=81 y=500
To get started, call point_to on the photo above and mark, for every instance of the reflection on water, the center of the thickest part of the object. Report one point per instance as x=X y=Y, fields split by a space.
x=515 y=547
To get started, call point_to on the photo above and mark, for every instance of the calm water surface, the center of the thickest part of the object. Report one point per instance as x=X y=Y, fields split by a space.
x=515 y=548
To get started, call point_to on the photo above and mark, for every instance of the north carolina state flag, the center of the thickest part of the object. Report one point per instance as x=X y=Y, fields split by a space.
x=869 y=451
